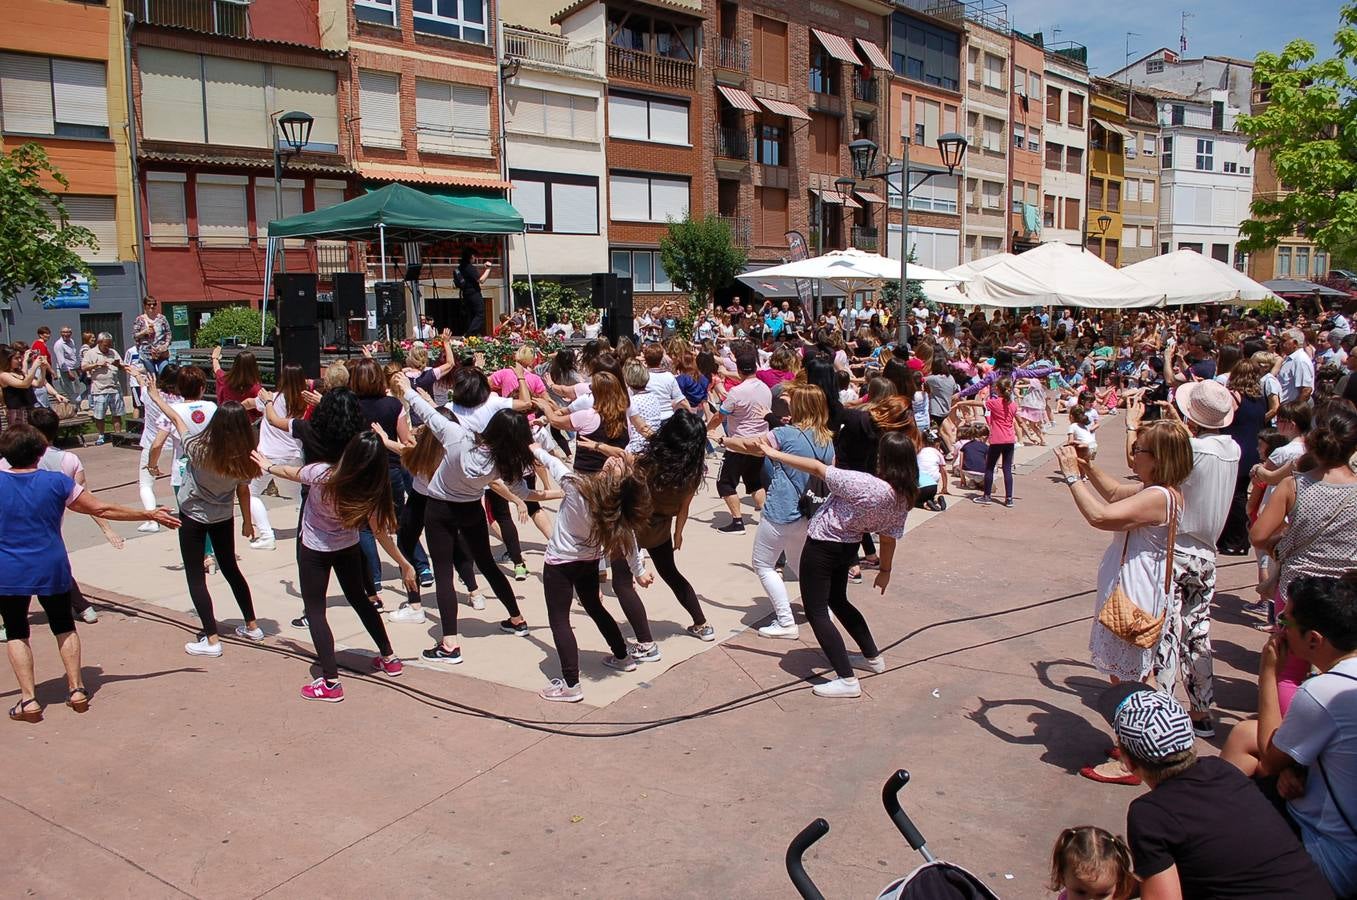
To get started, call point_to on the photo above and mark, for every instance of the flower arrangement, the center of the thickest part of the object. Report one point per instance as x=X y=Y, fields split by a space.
x=498 y=351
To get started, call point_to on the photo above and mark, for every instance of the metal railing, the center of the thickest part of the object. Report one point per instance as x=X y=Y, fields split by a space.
x=732 y=53
x=949 y=10
x=732 y=142
x=532 y=46
x=865 y=238
x=864 y=89
x=741 y=233
x=638 y=65
x=228 y=17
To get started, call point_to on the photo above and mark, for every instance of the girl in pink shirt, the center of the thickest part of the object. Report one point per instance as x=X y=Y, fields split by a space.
x=1002 y=411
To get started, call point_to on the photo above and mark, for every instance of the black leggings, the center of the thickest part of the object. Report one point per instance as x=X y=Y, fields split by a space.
x=444 y=521
x=193 y=537
x=313 y=569
x=508 y=526
x=14 y=612
x=412 y=526
x=1234 y=536
x=927 y=494
x=560 y=582
x=824 y=587
x=662 y=557
x=992 y=456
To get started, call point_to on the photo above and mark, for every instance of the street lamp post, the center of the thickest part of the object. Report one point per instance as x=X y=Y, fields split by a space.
x=1104 y=222
x=296 y=132
x=951 y=145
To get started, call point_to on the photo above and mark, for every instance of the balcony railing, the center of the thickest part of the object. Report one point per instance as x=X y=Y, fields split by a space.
x=637 y=65
x=732 y=142
x=865 y=238
x=741 y=234
x=228 y=17
x=549 y=50
x=732 y=53
x=864 y=89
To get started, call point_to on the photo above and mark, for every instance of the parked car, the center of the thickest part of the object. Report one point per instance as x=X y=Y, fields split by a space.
x=1347 y=276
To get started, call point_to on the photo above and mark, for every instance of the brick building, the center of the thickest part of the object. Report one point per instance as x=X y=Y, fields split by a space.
x=1027 y=107
x=1065 y=145
x=988 y=68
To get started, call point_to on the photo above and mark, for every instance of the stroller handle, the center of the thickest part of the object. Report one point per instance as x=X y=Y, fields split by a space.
x=795 y=850
x=891 y=800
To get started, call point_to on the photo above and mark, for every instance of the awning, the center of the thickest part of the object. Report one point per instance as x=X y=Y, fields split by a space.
x=779 y=108
x=407 y=175
x=738 y=98
x=874 y=54
x=870 y=197
x=833 y=197
x=1112 y=127
x=838 y=47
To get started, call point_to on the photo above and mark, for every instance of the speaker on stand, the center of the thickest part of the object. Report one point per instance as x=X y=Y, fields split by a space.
x=298 y=336
x=350 y=305
x=390 y=308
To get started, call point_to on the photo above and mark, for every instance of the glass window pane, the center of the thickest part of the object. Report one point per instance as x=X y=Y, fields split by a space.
x=641 y=272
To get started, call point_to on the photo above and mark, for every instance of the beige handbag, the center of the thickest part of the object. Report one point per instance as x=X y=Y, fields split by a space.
x=1120 y=614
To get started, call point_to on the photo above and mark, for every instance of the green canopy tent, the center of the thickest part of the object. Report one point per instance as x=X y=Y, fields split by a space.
x=397 y=213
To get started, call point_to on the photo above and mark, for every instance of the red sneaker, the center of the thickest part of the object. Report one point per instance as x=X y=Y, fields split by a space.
x=391 y=667
x=322 y=690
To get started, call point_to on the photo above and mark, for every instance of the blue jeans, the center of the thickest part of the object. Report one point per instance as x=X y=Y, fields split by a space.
x=399 y=486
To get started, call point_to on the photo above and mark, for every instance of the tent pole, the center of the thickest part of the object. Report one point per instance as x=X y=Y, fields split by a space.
x=381 y=239
x=532 y=291
x=269 y=247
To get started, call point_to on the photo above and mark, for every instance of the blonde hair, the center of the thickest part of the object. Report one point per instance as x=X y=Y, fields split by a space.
x=1089 y=851
x=336 y=376
x=525 y=355
x=636 y=374
x=1170 y=443
x=418 y=357
x=809 y=409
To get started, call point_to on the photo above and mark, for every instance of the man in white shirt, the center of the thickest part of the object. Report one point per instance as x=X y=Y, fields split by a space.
x=1334 y=355
x=662 y=382
x=425 y=330
x=1298 y=372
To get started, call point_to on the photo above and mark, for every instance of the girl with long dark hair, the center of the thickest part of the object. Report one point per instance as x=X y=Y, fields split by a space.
x=241 y=383
x=858 y=504
x=602 y=427
x=346 y=496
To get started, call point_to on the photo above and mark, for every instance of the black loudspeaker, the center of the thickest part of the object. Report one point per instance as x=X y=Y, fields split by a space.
x=296 y=293
x=620 y=320
x=301 y=345
x=350 y=296
x=390 y=303
x=603 y=285
x=413 y=270
x=325 y=307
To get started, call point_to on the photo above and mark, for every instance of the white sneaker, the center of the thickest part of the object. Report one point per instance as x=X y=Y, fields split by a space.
x=839 y=687
x=90 y=615
x=476 y=600
x=625 y=664
x=202 y=648
x=408 y=614
x=148 y=527
x=786 y=632
x=875 y=664
x=264 y=543
x=255 y=635
x=560 y=692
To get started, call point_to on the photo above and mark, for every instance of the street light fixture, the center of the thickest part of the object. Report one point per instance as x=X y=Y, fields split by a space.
x=296 y=129
x=1104 y=223
x=863 y=153
x=296 y=132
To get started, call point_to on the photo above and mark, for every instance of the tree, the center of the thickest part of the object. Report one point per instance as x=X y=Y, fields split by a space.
x=701 y=258
x=1309 y=130
x=914 y=291
x=38 y=243
x=555 y=301
x=240 y=323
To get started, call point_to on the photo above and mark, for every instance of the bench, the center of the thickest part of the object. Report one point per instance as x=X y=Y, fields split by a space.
x=66 y=426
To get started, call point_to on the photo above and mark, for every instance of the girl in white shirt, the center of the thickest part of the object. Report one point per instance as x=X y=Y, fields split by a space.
x=277 y=444
x=1079 y=434
x=152 y=424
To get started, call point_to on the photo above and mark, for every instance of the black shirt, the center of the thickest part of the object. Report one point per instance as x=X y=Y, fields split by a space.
x=384 y=411
x=856 y=442
x=314 y=449
x=471 y=281
x=1224 y=836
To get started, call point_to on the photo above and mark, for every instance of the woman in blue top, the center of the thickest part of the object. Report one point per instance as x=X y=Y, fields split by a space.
x=782 y=528
x=33 y=560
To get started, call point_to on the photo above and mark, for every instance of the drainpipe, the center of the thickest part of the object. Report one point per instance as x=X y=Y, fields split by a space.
x=129 y=22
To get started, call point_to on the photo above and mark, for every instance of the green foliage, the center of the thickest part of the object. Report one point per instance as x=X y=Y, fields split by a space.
x=239 y=322
x=1309 y=129
x=38 y=243
x=701 y=258
x=914 y=291
x=555 y=300
x=1271 y=308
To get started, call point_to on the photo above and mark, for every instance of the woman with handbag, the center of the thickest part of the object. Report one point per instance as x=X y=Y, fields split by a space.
x=1135 y=578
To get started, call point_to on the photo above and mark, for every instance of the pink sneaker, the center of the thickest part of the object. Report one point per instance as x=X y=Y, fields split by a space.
x=392 y=667
x=320 y=690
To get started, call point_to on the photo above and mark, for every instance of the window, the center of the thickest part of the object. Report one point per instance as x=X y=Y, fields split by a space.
x=1019 y=136
x=1072 y=219
x=1053 y=100
x=770 y=50
x=993 y=140
x=1177 y=113
x=1166 y=158
x=1048 y=212
x=452 y=118
x=60 y=97
x=1076 y=113
x=1154 y=66
x=166 y=219
x=266 y=205
x=973 y=64
x=1034 y=140
x=552 y=114
x=771 y=221
x=825 y=143
x=1321 y=263
x=1205 y=154
x=382 y=12
x=223 y=216
x=556 y=203
x=99 y=215
x=1020 y=81
x=638 y=118
x=1133 y=145
x=327 y=193
x=644 y=268
x=459 y=19
x=937 y=194
x=1147 y=191
x=1218 y=115
x=1230 y=168
x=772 y=144
x=1132 y=190
x=906 y=108
x=1245 y=170
x=621 y=263
x=1147 y=145
x=1283 y=261
x=1017 y=201
x=647 y=198
x=1113 y=196
x=994 y=195
x=935 y=247
x=994 y=72
x=1302 y=262
x=1147 y=236
x=1034 y=85
x=1074 y=160
x=1095 y=193
x=924 y=52
x=379 y=109
x=1055 y=153
x=824 y=71
x=927 y=119
x=1111 y=250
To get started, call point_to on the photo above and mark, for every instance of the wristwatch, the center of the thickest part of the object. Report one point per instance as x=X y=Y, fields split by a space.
x=1072 y=480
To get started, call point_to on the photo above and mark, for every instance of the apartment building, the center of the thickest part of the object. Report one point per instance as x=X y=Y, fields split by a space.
x=1108 y=138
x=988 y=108
x=1027 y=112
x=62 y=86
x=1065 y=145
x=555 y=91
x=1168 y=70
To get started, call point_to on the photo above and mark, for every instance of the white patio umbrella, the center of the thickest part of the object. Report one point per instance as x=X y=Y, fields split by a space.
x=850 y=270
x=1186 y=277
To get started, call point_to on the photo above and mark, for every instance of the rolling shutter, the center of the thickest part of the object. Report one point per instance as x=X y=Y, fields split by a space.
x=223 y=219
x=171 y=95
x=168 y=221
x=237 y=114
x=574 y=208
x=526 y=109
x=26 y=93
x=471 y=117
x=584 y=123
x=266 y=206
x=327 y=193
x=99 y=215
x=433 y=114
x=559 y=114
x=629 y=198
x=668 y=199
x=80 y=92
x=628 y=117
x=668 y=122
x=530 y=199
x=311 y=91
x=379 y=107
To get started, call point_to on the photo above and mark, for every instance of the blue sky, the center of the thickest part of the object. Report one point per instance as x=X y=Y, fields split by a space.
x=1217 y=27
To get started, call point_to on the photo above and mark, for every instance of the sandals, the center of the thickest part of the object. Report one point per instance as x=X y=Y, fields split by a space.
x=19 y=713
x=80 y=705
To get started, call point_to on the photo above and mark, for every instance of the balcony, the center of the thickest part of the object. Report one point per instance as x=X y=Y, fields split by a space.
x=732 y=142
x=637 y=65
x=535 y=48
x=865 y=238
x=864 y=89
x=732 y=53
x=741 y=234
x=227 y=17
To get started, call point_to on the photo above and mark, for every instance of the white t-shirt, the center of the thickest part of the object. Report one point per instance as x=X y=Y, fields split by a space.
x=275 y=443
x=1321 y=725
x=476 y=418
x=1080 y=435
x=1206 y=494
x=155 y=421
x=664 y=386
x=1281 y=456
x=196 y=414
x=930 y=466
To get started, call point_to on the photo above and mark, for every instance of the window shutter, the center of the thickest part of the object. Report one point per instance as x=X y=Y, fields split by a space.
x=311 y=91
x=266 y=206
x=171 y=95
x=379 y=109
x=237 y=114
x=99 y=215
x=26 y=93
x=526 y=110
x=559 y=112
x=80 y=92
x=628 y=117
x=530 y=199
x=584 y=122
x=574 y=209
x=668 y=198
x=629 y=198
x=433 y=114
x=471 y=117
x=327 y=193
x=223 y=219
x=668 y=122
x=165 y=205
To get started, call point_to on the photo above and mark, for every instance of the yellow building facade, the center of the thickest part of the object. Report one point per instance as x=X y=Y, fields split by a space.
x=1108 y=137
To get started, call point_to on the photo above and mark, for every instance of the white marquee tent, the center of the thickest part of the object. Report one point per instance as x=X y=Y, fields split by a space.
x=1186 y=277
x=1052 y=274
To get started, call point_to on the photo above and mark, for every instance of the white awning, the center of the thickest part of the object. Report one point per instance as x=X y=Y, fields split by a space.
x=738 y=98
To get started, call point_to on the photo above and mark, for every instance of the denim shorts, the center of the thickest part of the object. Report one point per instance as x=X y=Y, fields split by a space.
x=104 y=405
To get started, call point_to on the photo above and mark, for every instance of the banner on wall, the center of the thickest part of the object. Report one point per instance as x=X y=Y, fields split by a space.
x=74 y=293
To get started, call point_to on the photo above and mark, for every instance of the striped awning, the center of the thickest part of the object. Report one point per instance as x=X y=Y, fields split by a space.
x=874 y=54
x=870 y=197
x=779 y=108
x=738 y=98
x=1113 y=127
x=838 y=47
x=833 y=197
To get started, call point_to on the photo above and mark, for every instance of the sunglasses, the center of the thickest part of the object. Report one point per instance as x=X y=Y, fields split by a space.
x=1137 y=450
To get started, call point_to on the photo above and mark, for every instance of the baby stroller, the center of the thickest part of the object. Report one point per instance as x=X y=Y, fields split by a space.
x=934 y=880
